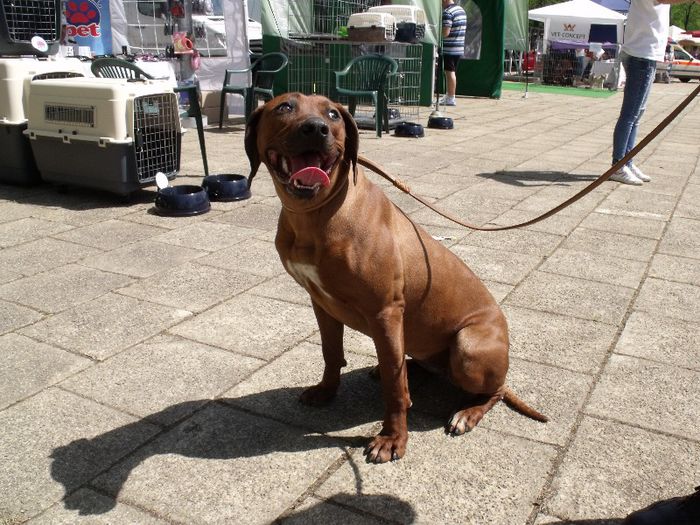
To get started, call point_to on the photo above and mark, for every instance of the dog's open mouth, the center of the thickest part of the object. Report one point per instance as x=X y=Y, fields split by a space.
x=304 y=174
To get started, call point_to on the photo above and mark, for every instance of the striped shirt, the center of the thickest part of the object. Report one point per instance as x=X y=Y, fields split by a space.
x=454 y=17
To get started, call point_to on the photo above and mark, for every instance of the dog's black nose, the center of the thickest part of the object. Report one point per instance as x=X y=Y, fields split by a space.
x=315 y=127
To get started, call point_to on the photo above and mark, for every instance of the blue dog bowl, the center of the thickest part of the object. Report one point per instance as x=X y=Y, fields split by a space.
x=226 y=187
x=182 y=201
x=409 y=129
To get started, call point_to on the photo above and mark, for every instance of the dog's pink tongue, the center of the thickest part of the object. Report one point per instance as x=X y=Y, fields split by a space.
x=310 y=176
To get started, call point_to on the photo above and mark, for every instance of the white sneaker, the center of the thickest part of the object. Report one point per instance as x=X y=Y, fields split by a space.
x=639 y=173
x=448 y=101
x=625 y=176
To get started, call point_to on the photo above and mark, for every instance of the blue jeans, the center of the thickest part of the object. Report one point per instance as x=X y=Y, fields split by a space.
x=640 y=76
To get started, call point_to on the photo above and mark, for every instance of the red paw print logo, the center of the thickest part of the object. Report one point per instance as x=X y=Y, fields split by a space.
x=82 y=13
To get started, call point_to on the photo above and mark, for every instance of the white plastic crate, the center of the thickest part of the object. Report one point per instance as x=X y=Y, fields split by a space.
x=15 y=76
x=371 y=27
x=17 y=164
x=104 y=133
x=401 y=13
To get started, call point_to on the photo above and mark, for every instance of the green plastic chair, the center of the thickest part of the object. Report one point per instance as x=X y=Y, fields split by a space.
x=263 y=71
x=368 y=76
x=118 y=68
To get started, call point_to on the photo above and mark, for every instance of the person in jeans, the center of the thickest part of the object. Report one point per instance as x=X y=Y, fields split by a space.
x=454 y=29
x=646 y=36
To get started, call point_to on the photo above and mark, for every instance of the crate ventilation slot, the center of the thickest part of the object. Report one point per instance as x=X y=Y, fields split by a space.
x=74 y=115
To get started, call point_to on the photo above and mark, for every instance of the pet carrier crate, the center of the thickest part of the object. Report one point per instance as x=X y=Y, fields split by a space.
x=323 y=19
x=29 y=27
x=104 y=133
x=410 y=21
x=371 y=27
x=17 y=164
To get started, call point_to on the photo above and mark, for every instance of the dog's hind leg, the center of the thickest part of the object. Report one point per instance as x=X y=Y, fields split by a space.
x=333 y=358
x=478 y=363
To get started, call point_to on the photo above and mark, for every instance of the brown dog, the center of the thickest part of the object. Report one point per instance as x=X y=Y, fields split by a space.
x=368 y=266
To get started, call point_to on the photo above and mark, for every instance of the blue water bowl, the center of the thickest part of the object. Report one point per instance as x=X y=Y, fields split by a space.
x=440 y=122
x=226 y=187
x=182 y=201
x=409 y=129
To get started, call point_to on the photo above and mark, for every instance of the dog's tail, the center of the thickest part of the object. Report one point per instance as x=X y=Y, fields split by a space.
x=517 y=404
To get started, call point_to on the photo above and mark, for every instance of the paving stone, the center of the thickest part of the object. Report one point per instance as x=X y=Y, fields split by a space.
x=497 y=265
x=251 y=325
x=207 y=235
x=688 y=204
x=222 y=466
x=251 y=256
x=473 y=209
x=191 y=286
x=482 y=477
x=56 y=290
x=611 y=244
x=56 y=441
x=110 y=234
x=282 y=287
x=41 y=255
x=557 y=225
x=631 y=203
x=524 y=242
x=13 y=316
x=13 y=211
x=28 y=229
x=558 y=340
x=163 y=379
x=682 y=238
x=672 y=268
x=569 y=296
x=66 y=513
x=647 y=394
x=637 y=226
x=151 y=218
x=498 y=290
x=661 y=339
x=105 y=326
x=274 y=391
x=669 y=299
x=142 y=259
x=261 y=216
x=612 y=469
x=29 y=366
x=595 y=267
x=314 y=510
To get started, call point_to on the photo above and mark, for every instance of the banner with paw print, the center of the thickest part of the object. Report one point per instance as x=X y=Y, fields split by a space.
x=88 y=24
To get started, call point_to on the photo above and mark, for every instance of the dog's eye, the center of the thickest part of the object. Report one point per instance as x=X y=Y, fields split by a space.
x=284 y=107
x=334 y=114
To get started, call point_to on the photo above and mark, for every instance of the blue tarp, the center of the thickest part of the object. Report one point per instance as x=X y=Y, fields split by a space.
x=621 y=6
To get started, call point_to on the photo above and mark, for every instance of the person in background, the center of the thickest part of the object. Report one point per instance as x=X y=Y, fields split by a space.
x=646 y=36
x=454 y=28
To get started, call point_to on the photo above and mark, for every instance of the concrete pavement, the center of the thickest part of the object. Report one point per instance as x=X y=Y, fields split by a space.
x=150 y=366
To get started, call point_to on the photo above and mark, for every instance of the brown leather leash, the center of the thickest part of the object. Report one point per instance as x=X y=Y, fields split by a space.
x=605 y=176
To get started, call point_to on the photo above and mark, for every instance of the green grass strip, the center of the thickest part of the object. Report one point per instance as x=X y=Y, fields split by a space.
x=558 y=90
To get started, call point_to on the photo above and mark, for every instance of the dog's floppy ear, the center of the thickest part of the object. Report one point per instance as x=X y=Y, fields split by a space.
x=251 y=143
x=352 y=140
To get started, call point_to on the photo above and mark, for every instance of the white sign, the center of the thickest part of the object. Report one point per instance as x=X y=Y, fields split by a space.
x=569 y=30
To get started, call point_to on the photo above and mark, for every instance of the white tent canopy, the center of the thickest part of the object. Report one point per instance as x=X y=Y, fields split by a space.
x=572 y=20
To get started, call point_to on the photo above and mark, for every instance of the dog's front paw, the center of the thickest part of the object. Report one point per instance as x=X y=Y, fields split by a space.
x=318 y=395
x=386 y=448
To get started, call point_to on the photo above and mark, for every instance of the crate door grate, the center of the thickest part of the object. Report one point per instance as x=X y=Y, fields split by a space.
x=28 y=18
x=156 y=124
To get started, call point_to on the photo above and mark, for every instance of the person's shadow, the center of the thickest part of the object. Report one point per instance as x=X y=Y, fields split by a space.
x=249 y=426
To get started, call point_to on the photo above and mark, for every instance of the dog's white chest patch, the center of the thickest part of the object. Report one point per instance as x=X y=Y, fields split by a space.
x=306 y=275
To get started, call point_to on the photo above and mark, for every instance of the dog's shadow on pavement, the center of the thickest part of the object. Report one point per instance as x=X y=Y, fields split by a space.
x=254 y=425
x=533 y=178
